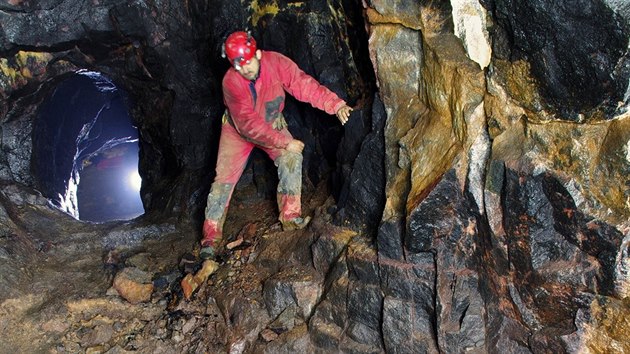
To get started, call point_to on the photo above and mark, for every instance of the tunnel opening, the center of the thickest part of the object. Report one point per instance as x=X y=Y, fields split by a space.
x=85 y=150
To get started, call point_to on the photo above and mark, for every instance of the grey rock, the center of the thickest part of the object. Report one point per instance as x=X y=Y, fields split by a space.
x=98 y=335
x=298 y=287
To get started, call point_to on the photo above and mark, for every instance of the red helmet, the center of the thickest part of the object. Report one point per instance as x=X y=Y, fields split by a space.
x=239 y=47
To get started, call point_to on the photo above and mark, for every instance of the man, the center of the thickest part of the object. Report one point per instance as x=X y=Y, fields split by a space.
x=254 y=91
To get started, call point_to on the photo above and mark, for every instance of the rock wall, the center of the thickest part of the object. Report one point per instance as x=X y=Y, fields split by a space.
x=506 y=211
x=167 y=57
x=150 y=50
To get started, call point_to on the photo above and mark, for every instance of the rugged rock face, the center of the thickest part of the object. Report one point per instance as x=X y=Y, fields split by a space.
x=488 y=187
x=594 y=56
x=481 y=186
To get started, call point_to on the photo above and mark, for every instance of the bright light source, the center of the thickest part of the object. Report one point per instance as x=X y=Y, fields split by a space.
x=135 y=181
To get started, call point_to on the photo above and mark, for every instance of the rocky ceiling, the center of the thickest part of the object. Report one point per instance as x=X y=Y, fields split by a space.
x=478 y=200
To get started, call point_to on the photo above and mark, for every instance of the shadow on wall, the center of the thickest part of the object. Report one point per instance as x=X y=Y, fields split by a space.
x=85 y=150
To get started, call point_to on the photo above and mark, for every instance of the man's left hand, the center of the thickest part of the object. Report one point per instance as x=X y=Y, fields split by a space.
x=295 y=146
x=343 y=114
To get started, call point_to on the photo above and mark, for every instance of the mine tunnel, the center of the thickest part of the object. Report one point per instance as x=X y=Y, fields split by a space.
x=85 y=149
x=477 y=199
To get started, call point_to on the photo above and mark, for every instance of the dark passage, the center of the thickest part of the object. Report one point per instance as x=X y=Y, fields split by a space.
x=85 y=150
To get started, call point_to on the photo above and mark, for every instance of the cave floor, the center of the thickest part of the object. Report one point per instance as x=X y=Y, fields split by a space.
x=58 y=295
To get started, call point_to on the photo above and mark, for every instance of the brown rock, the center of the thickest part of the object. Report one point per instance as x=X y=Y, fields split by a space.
x=189 y=325
x=143 y=261
x=134 y=285
x=268 y=335
x=234 y=244
x=607 y=326
x=114 y=308
x=55 y=325
x=118 y=350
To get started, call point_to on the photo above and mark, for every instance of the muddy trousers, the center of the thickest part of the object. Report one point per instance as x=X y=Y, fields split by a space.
x=231 y=161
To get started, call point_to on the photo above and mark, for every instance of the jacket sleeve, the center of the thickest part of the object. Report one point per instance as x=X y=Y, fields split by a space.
x=305 y=88
x=246 y=120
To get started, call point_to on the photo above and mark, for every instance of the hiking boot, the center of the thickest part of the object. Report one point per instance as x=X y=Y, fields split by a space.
x=295 y=224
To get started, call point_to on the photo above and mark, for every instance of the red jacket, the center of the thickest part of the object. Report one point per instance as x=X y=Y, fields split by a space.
x=253 y=120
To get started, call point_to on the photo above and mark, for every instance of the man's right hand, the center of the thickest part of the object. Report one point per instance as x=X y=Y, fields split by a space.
x=343 y=114
x=295 y=146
